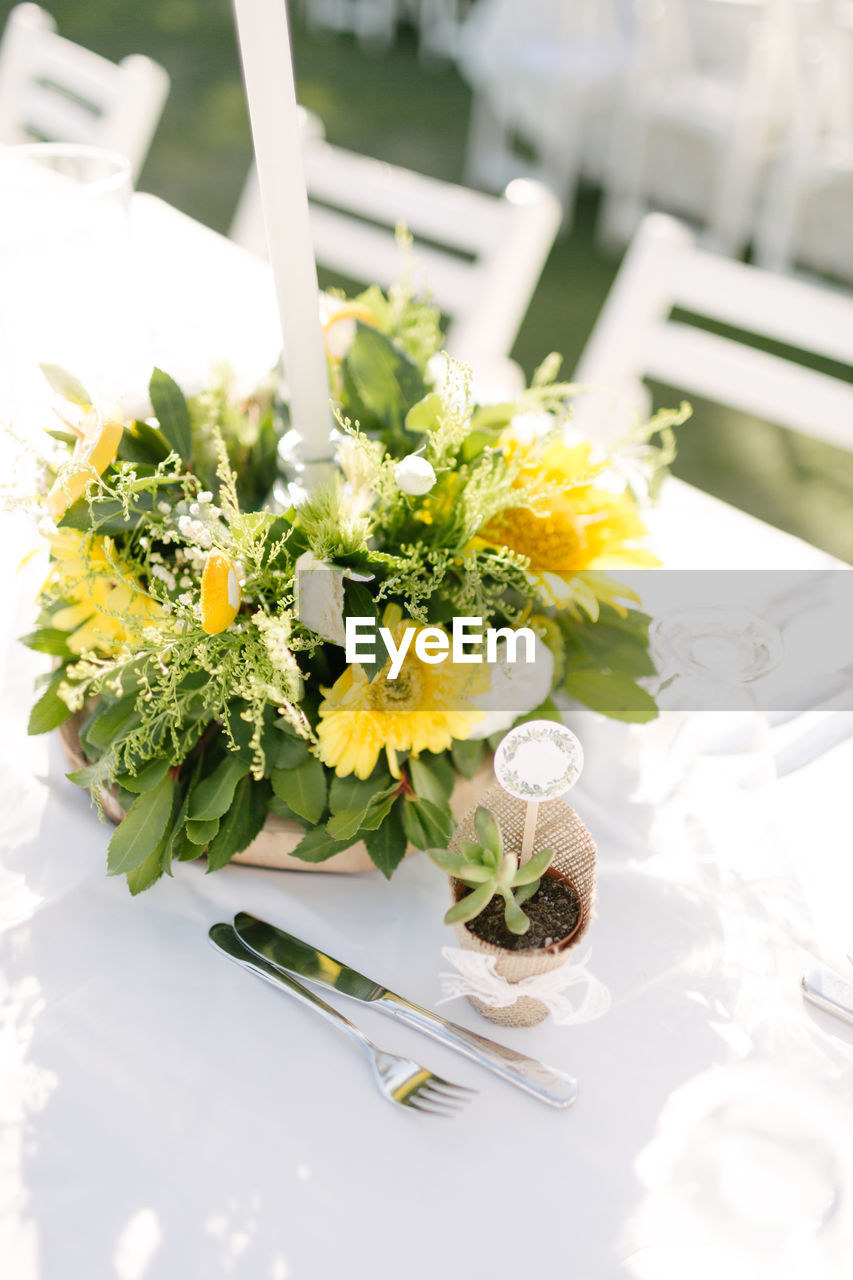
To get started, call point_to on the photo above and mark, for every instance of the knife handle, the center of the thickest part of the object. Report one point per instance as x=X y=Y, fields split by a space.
x=223 y=937
x=544 y=1082
x=829 y=992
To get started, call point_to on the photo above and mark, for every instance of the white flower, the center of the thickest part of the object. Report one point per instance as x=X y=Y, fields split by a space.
x=516 y=689
x=319 y=602
x=195 y=531
x=530 y=426
x=414 y=475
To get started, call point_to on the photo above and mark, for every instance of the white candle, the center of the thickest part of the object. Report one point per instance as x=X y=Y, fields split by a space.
x=268 y=74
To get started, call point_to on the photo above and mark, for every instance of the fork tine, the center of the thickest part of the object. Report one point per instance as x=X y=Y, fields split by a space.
x=437 y=1083
x=416 y=1103
x=438 y=1099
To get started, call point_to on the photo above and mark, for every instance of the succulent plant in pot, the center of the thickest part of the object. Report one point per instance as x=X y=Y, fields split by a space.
x=488 y=871
x=526 y=916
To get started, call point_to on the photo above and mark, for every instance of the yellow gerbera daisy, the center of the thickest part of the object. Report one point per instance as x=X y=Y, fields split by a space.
x=106 y=605
x=424 y=709
x=97 y=445
x=584 y=531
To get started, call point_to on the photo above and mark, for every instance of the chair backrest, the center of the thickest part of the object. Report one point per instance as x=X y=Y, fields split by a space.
x=635 y=336
x=481 y=255
x=53 y=90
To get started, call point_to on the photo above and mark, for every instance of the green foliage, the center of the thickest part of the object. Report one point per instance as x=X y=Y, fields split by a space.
x=380 y=381
x=144 y=827
x=224 y=726
x=488 y=871
x=172 y=413
x=50 y=711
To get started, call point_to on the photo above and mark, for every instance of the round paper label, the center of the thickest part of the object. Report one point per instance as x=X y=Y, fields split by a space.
x=539 y=760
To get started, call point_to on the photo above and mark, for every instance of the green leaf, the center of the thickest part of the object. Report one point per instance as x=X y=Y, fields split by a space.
x=516 y=920
x=423 y=415
x=346 y=822
x=178 y=837
x=65 y=384
x=143 y=828
x=380 y=382
x=240 y=825
x=172 y=413
x=64 y=437
x=109 y=721
x=359 y=603
x=282 y=810
x=213 y=796
x=471 y=905
x=290 y=752
x=612 y=694
x=453 y=863
x=90 y=774
x=467 y=756
x=202 y=832
x=432 y=778
x=48 y=640
x=427 y=824
x=107 y=515
x=50 y=711
x=183 y=849
x=147 y=778
x=317 y=846
x=143 y=876
x=526 y=891
x=488 y=830
x=387 y=845
x=356 y=793
x=534 y=868
x=144 y=445
x=303 y=789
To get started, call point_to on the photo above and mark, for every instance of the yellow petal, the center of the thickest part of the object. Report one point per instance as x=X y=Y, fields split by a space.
x=220 y=594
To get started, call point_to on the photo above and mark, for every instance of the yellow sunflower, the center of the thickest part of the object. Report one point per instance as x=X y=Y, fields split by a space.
x=584 y=531
x=424 y=709
x=106 y=605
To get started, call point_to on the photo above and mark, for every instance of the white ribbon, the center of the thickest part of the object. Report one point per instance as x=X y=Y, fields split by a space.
x=477 y=977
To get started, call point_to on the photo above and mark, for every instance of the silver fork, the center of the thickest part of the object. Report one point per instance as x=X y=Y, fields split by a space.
x=400 y=1080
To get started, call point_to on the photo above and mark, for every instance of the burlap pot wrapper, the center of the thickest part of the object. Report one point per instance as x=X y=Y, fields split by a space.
x=558 y=827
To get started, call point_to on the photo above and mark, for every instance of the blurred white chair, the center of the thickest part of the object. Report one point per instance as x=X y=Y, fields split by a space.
x=544 y=75
x=700 y=112
x=373 y=22
x=480 y=255
x=807 y=217
x=53 y=90
x=635 y=338
x=440 y=23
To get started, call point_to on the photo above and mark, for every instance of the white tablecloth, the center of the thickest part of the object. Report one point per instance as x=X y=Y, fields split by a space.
x=166 y=1116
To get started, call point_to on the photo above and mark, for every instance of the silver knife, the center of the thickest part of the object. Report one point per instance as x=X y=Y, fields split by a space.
x=829 y=992
x=293 y=956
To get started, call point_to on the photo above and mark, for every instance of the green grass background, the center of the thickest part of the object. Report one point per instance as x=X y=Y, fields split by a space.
x=391 y=106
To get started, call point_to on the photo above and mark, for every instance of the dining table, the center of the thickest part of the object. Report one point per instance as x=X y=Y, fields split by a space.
x=165 y=1116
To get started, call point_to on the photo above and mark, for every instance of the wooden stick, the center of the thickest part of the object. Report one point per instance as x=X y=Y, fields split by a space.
x=529 y=832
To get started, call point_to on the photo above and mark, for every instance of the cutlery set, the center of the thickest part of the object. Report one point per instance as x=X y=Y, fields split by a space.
x=281 y=959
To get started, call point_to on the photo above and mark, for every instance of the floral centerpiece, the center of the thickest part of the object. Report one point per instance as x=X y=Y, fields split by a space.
x=197 y=626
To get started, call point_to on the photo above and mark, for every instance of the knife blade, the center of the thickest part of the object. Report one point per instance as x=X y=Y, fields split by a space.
x=292 y=955
x=830 y=993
